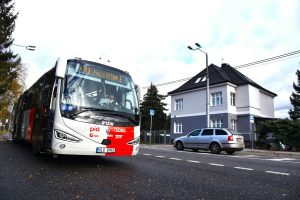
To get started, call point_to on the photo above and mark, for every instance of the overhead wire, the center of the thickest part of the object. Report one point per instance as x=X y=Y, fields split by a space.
x=259 y=62
x=268 y=59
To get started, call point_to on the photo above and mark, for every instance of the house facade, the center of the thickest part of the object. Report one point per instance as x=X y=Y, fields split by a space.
x=233 y=99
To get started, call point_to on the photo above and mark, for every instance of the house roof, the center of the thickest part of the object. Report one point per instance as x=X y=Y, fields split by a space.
x=218 y=75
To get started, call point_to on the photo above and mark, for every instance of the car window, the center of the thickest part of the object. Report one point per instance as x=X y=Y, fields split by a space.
x=195 y=133
x=233 y=132
x=220 y=132
x=207 y=132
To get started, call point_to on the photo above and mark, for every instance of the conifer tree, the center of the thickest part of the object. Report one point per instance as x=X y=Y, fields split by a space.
x=295 y=99
x=153 y=100
x=11 y=70
x=9 y=62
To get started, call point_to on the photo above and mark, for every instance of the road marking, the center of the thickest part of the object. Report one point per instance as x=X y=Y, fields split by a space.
x=280 y=173
x=193 y=161
x=243 y=168
x=221 y=165
x=281 y=159
x=160 y=156
x=247 y=156
x=175 y=159
x=215 y=164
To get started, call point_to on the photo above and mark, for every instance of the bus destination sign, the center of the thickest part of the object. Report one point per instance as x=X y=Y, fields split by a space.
x=99 y=73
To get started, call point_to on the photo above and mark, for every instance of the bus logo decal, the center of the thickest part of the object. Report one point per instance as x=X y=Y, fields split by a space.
x=120 y=130
x=119 y=136
x=97 y=129
x=94 y=131
x=107 y=123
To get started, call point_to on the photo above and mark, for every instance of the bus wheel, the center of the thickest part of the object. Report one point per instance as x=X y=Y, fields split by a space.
x=15 y=140
x=36 y=151
x=14 y=137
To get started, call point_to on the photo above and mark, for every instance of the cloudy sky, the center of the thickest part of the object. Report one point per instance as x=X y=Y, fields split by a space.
x=149 y=39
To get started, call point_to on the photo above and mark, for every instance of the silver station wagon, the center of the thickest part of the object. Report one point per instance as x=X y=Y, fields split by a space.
x=213 y=139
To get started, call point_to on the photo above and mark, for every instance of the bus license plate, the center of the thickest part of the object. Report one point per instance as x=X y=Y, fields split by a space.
x=105 y=150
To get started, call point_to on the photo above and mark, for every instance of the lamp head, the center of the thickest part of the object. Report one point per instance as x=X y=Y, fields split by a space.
x=189 y=47
x=198 y=45
x=30 y=48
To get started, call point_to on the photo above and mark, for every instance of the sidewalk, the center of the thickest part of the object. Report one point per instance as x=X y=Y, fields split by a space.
x=5 y=136
x=248 y=151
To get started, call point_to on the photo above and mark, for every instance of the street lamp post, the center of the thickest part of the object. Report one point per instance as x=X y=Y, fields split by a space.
x=207 y=83
x=28 y=47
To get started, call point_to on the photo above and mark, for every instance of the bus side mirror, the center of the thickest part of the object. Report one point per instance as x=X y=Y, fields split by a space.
x=61 y=66
x=138 y=92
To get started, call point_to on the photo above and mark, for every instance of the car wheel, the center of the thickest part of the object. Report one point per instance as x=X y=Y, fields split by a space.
x=195 y=150
x=230 y=151
x=179 y=146
x=215 y=148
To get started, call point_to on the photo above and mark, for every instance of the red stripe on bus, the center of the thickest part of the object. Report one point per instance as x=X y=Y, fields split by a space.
x=30 y=124
x=119 y=137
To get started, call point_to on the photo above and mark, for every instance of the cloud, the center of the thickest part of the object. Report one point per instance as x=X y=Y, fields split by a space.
x=149 y=38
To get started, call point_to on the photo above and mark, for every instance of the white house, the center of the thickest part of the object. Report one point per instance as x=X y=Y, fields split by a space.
x=233 y=99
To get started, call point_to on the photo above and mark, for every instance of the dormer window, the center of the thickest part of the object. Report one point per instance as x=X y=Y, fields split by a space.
x=200 y=79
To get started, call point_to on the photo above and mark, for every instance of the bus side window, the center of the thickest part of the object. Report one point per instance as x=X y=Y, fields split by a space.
x=29 y=101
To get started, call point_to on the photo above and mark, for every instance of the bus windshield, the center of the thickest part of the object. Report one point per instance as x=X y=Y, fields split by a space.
x=91 y=86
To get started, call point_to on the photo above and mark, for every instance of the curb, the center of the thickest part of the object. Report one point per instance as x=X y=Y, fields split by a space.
x=274 y=153
x=260 y=152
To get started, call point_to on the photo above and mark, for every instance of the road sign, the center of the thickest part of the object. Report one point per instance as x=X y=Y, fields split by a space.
x=152 y=112
x=251 y=119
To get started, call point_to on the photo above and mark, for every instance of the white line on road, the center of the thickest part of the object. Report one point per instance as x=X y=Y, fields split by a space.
x=160 y=156
x=147 y=154
x=281 y=159
x=280 y=173
x=175 y=159
x=193 y=161
x=215 y=164
x=243 y=168
x=243 y=156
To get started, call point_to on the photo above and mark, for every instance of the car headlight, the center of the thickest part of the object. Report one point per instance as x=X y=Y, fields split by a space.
x=134 y=141
x=66 y=136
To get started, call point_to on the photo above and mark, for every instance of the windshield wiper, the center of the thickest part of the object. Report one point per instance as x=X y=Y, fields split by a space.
x=105 y=111
x=84 y=109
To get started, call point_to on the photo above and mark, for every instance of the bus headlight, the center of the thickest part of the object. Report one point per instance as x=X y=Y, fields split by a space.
x=134 y=141
x=66 y=137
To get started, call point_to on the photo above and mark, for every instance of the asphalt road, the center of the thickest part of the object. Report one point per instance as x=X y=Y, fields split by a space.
x=156 y=173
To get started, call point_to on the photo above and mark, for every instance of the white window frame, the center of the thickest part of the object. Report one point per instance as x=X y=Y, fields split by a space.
x=178 y=126
x=178 y=104
x=216 y=99
x=233 y=124
x=216 y=123
x=232 y=98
